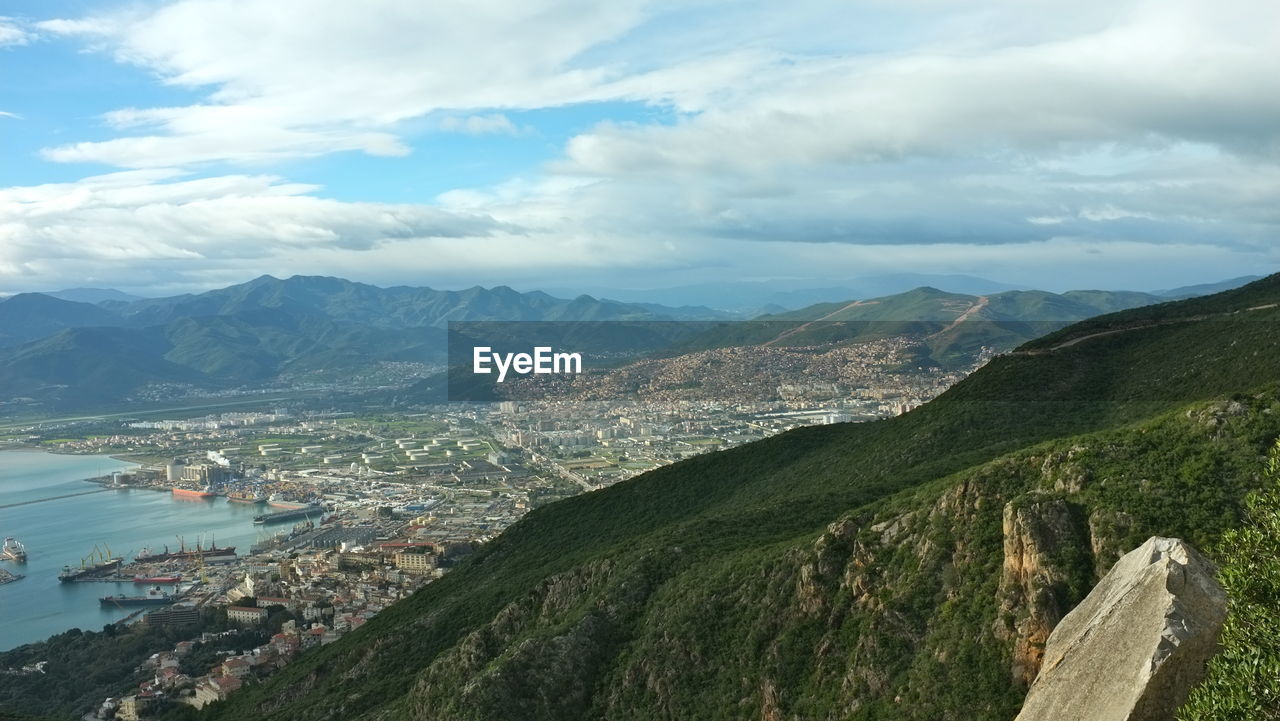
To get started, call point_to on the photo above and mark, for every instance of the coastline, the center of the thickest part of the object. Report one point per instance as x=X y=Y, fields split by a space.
x=88 y=513
x=102 y=480
x=122 y=457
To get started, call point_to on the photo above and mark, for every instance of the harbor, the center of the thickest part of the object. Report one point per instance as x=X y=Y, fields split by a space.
x=58 y=535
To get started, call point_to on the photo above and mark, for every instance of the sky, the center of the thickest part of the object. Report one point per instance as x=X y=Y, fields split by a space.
x=164 y=147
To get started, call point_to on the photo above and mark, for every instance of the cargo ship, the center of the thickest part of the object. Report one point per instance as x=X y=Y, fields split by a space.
x=278 y=501
x=246 y=497
x=289 y=515
x=183 y=553
x=154 y=597
x=97 y=564
x=181 y=492
x=13 y=551
x=154 y=580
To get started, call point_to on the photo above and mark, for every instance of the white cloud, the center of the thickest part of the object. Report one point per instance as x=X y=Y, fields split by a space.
x=86 y=27
x=301 y=77
x=161 y=230
x=904 y=131
x=241 y=140
x=298 y=77
x=495 y=123
x=12 y=33
x=149 y=223
x=1182 y=70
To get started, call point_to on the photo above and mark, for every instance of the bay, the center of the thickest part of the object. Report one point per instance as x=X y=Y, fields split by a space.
x=62 y=531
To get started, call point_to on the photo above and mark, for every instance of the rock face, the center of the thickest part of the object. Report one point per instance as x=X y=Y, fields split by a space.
x=1137 y=644
x=1042 y=535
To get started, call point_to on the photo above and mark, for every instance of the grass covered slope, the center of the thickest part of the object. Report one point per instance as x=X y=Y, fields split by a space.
x=904 y=569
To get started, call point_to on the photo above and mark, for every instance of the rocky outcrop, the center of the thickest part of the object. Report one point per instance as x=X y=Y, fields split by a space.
x=1132 y=650
x=1043 y=543
x=1108 y=529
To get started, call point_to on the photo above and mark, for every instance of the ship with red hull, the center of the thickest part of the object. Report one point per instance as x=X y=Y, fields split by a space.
x=200 y=493
x=157 y=580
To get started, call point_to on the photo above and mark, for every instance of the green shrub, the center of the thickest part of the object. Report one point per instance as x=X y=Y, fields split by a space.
x=1243 y=683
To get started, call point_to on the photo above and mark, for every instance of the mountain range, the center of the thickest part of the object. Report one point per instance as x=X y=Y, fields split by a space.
x=753 y=298
x=59 y=352
x=909 y=568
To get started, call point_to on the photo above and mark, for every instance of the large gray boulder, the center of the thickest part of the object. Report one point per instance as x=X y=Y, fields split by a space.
x=1137 y=644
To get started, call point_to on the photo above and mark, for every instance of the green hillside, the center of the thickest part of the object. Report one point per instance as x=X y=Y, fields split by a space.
x=952 y=327
x=85 y=366
x=835 y=572
x=82 y=367
x=29 y=316
x=931 y=304
x=268 y=330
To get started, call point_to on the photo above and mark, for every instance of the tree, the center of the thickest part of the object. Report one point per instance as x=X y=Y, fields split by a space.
x=1243 y=681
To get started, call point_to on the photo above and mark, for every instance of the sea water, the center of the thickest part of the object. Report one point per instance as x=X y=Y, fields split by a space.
x=63 y=530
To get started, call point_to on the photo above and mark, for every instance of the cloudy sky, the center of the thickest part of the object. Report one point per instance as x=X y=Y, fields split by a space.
x=170 y=146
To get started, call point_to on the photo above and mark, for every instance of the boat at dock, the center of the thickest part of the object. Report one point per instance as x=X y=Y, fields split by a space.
x=278 y=501
x=185 y=554
x=292 y=514
x=246 y=497
x=97 y=564
x=154 y=580
x=181 y=492
x=13 y=550
x=154 y=597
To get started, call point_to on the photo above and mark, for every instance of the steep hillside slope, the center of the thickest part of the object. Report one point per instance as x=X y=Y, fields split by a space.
x=904 y=569
x=28 y=316
x=90 y=365
x=86 y=366
x=952 y=327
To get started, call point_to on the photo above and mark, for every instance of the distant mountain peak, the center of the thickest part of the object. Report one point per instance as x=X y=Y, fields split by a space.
x=1191 y=291
x=93 y=295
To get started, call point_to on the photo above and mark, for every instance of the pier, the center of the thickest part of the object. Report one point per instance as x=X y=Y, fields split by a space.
x=56 y=498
